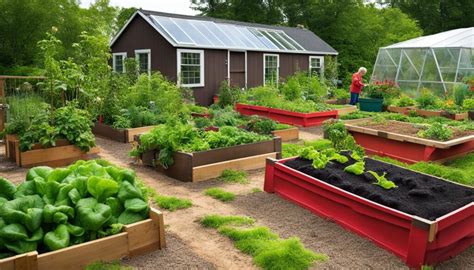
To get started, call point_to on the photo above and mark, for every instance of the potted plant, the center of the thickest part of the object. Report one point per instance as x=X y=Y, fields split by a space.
x=468 y=105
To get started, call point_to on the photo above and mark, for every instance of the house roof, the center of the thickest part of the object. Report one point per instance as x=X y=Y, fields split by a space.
x=457 y=38
x=207 y=32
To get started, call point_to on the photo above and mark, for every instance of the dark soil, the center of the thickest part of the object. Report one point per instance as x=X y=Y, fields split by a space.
x=409 y=129
x=417 y=194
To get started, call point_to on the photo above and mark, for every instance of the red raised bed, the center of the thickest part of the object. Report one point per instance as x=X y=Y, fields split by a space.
x=287 y=117
x=415 y=240
x=407 y=148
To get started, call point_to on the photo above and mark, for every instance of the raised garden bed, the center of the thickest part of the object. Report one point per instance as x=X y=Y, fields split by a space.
x=204 y=165
x=346 y=110
x=287 y=117
x=338 y=101
x=397 y=141
x=136 y=239
x=62 y=154
x=456 y=116
x=428 y=113
x=286 y=135
x=203 y=115
x=402 y=110
x=124 y=135
x=426 y=220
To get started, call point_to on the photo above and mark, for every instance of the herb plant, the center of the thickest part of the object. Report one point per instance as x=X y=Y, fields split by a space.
x=436 y=131
x=427 y=100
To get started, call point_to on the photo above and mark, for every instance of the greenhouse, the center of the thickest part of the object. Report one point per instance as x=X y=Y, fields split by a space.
x=436 y=62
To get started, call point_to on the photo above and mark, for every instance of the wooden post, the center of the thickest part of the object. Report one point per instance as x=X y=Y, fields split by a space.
x=3 y=113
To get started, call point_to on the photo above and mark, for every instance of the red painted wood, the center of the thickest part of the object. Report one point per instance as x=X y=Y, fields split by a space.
x=390 y=229
x=287 y=117
x=407 y=151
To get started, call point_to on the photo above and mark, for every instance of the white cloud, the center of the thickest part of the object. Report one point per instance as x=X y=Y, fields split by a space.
x=170 y=6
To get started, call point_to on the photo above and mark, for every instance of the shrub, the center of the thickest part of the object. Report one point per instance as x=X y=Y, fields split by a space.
x=427 y=100
x=261 y=125
x=228 y=95
x=404 y=101
x=460 y=92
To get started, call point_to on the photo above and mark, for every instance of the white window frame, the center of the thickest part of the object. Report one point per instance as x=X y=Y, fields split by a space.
x=278 y=67
x=321 y=60
x=144 y=51
x=202 y=64
x=124 y=56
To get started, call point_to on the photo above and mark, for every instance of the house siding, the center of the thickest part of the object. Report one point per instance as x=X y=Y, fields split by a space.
x=139 y=34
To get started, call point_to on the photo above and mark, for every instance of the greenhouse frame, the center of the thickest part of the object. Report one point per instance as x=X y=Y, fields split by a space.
x=436 y=62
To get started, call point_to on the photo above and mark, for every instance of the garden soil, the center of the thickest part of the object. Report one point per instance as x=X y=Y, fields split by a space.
x=190 y=246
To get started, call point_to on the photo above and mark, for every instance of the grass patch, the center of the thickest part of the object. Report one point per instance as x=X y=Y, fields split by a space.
x=459 y=170
x=172 y=203
x=164 y=202
x=290 y=149
x=319 y=144
x=107 y=266
x=233 y=176
x=256 y=190
x=268 y=250
x=220 y=194
x=216 y=221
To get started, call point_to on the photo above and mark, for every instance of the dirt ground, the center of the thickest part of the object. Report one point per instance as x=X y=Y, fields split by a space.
x=190 y=246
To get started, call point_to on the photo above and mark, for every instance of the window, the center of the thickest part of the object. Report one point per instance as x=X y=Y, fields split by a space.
x=316 y=65
x=118 y=60
x=144 y=60
x=191 y=68
x=270 y=68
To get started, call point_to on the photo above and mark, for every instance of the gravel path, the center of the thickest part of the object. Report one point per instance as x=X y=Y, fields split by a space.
x=190 y=246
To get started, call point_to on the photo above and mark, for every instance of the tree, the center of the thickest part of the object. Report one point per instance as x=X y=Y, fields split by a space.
x=438 y=15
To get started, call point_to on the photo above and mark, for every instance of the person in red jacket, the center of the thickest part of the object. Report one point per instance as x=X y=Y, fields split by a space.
x=357 y=85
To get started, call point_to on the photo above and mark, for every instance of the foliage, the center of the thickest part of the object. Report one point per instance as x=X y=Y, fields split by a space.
x=57 y=208
x=256 y=190
x=437 y=131
x=320 y=158
x=460 y=92
x=228 y=95
x=304 y=86
x=427 y=100
x=404 y=101
x=22 y=109
x=168 y=138
x=341 y=93
x=357 y=168
x=220 y=194
x=226 y=116
x=202 y=122
x=233 y=176
x=269 y=96
x=267 y=248
x=382 y=181
x=290 y=150
x=468 y=104
x=261 y=125
x=336 y=132
x=387 y=90
x=68 y=123
x=107 y=266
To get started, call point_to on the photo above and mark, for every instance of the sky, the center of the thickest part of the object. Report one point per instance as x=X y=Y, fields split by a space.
x=170 y=6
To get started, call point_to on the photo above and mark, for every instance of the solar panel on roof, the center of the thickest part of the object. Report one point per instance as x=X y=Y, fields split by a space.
x=223 y=35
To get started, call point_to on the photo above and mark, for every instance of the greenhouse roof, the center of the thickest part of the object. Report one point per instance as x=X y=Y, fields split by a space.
x=463 y=37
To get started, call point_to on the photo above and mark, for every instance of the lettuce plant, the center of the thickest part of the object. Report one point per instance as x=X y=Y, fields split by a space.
x=382 y=181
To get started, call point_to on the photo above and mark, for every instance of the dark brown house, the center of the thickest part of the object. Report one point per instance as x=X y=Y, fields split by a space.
x=201 y=52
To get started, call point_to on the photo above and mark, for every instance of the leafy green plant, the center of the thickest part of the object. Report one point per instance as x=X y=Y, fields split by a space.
x=382 y=181
x=460 y=92
x=220 y=194
x=427 y=100
x=234 y=176
x=404 y=101
x=268 y=250
x=56 y=208
x=357 y=168
x=228 y=95
x=202 y=122
x=261 y=125
x=468 y=104
x=336 y=132
x=319 y=159
x=437 y=131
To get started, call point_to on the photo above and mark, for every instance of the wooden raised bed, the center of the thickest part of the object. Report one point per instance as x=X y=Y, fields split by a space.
x=346 y=110
x=204 y=165
x=428 y=113
x=203 y=115
x=62 y=154
x=456 y=116
x=286 y=135
x=402 y=110
x=415 y=240
x=407 y=148
x=124 y=135
x=287 y=117
x=136 y=239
